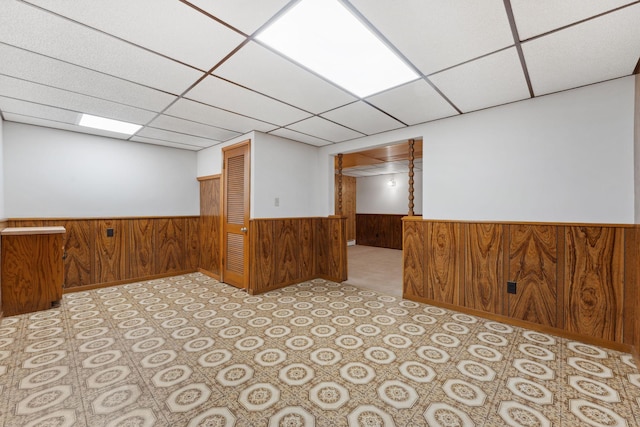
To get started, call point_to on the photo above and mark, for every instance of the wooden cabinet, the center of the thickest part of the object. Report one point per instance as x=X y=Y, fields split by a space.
x=32 y=268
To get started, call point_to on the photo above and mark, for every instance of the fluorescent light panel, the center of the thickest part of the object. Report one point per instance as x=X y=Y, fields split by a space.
x=108 y=124
x=328 y=39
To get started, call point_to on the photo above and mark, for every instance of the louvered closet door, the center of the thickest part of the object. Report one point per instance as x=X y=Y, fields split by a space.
x=235 y=236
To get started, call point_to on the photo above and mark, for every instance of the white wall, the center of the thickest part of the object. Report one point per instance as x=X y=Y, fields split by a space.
x=2 y=209
x=56 y=173
x=375 y=196
x=566 y=157
x=286 y=170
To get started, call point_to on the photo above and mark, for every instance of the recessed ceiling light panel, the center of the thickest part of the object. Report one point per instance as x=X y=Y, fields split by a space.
x=108 y=124
x=324 y=36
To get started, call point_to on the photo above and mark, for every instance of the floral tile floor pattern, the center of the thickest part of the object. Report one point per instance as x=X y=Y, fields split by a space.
x=190 y=351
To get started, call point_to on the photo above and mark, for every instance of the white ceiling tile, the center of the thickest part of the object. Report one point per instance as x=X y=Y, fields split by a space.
x=398 y=163
x=324 y=129
x=259 y=69
x=11 y=117
x=493 y=80
x=24 y=108
x=212 y=116
x=300 y=137
x=225 y=95
x=436 y=34
x=166 y=143
x=192 y=128
x=362 y=117
x=33 y=92
x=371 y=172
x=168 y=27
x=51 y=72
x=540 y=16
x=597 y=50
x=23 y=26
x=245 y=15
x=413 y=103
x=180 y=138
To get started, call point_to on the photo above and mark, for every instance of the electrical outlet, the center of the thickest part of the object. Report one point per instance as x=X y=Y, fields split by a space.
x=511 y=287
x=276 y=202
x=109 y=232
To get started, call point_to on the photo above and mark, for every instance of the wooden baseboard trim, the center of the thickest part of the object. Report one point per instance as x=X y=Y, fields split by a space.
x=123 y=282
x=625 y=348
x=210 y=274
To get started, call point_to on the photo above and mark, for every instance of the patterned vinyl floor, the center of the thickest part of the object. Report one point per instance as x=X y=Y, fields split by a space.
x=189 y=351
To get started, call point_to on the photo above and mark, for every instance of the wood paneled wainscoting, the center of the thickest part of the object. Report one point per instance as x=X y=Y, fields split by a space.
x=210 y=225
x=285 y=251
x=107 y=251
x=380 y=230
x=577 y=280
x=3 y=224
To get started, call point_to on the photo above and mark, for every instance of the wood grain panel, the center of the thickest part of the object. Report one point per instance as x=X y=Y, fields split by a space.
x=443 y=261
x=560 y=274
x=291 y=250
x=484 y=280
x=141 y=245
x=594 y=272
x=110 y=260
x=192 y=243
x=210 y=226
x=32 y=272
x=307 y=265
x=169 y=237
x=379 y=230
x=631 y=325
x=533 y=266
x=92 y=258
x=263 y=253
x=413 y=260
x=3 y=224
x=337 y=245
x=287 y=257
x=321 y=245
x=79 y=245
x=348 y=203
x=580 y=279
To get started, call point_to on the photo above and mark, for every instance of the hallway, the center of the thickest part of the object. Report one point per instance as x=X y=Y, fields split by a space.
x=378 y=269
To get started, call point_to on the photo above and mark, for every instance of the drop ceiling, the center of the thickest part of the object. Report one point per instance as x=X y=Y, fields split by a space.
x=193 y=75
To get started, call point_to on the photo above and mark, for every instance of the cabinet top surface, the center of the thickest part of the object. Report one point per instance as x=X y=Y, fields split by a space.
x=22 y=231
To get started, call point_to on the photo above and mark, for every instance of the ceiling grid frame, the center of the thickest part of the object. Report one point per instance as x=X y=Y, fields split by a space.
x=246 y=28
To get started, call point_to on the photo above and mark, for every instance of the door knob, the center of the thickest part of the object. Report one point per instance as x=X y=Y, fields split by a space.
x=243 y=229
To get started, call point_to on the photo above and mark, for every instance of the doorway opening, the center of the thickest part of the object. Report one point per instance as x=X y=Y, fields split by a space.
x=373 y=186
